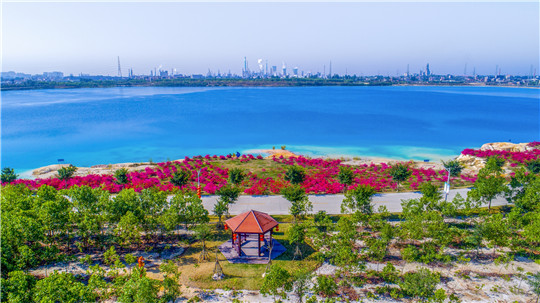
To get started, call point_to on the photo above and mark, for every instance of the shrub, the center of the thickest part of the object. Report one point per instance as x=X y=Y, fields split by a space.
x=295 y=174
x=346 y=175
x=236 y=175
x=8 y=175
x=65 y=173
x=326 y=286
x=180 y=178
x=121 y=176
x=533 y=166
x=399 y=173
x=420 y=284
x=454 y=167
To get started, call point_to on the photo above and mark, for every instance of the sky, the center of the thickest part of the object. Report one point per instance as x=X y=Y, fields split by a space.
x=363 y=38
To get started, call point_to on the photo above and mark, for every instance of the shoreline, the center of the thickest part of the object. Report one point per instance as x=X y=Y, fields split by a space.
x=50 y=170
x=479 y=84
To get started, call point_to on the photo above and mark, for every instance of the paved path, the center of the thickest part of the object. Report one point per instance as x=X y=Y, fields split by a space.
x=277 y=205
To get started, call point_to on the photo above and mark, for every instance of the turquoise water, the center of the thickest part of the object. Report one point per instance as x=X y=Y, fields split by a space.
x=110 y=125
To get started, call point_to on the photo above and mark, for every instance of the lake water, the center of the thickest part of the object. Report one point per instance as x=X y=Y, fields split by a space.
x=110 y=125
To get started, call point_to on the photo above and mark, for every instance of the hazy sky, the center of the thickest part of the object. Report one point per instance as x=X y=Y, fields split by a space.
x=364 y=38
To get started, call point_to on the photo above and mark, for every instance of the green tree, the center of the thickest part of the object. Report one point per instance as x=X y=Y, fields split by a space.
x=181 y=178
x=88 y=208
x=54 y=212
x=276 y=282
x=454 y=167
x=534 y=282
x=139 y=288
x=533 y=166
x=399 y=173
x=531 y=231
x=358 y=200
x=489 y=183
x=152 y=202
x=62 y=287
x=126 y=200
x=130 y=259
x=8 y=175
x=296 y=235
x=326 y=286
x=524 y=191
x=300 y=204
x=236 y=176
x=66 y=172
x=301 y=285
x=128 y=230
x=110 y=256
x=420 y=284
x=228 y=195
x=20 y=225
x=295 y=174
x=220 y=208
x=19 y=287
x=170 y=283
x=121 y=176
x=203 y=233
x=345 y=176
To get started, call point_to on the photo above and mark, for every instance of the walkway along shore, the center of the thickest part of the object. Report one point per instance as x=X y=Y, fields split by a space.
x=277 y=205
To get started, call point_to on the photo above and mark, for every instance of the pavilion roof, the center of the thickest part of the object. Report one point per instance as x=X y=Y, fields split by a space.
x=253 y=221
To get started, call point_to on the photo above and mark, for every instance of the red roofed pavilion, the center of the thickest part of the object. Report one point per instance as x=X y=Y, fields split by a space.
x=251 y=223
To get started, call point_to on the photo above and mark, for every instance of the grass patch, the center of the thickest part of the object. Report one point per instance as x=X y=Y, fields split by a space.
x=239 y=276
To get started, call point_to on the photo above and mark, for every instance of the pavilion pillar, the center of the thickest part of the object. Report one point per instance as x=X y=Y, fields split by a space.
x=259 y=244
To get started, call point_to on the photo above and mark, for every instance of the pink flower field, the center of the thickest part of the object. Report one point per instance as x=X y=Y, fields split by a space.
x=320 y=176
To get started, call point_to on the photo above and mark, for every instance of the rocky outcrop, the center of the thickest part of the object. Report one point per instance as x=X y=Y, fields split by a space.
x=507 y=146
x=101 y=169
x=473 y=164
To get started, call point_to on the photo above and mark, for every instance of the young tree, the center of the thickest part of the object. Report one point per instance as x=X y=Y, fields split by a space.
x=88 y=207
x=236 y=176
x=62 y=287
x=121 y=176
x=54 y=212
x=533 y=166
x=295 y=174
x=170 y=283
x=300 y=204
x=130 y=259
x=181 y=178
x=19 y=287
x=301 y=285
x=228 y=195
x=220 y=208
x=489 y=183
x=326 y=286
x=296 y=235
x=8 y=175
x=139 y=288
x=534 y=282
x=345 y=176
x=152 y=202
x=524 y=191
x=420 y=284
x=128 y=230
x=203 y=232
x=399 y=173
x=358 y=200
x=454 y=167
x=67 y=172
x=276 y=282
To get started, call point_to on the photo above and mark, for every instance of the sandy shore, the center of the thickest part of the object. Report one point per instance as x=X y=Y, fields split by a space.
x=107 y=169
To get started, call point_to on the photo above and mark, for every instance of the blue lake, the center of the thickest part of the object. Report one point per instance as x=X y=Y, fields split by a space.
x=110 y=125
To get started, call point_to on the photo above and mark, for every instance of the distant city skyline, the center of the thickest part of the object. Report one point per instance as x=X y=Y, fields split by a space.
x=365 y=38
